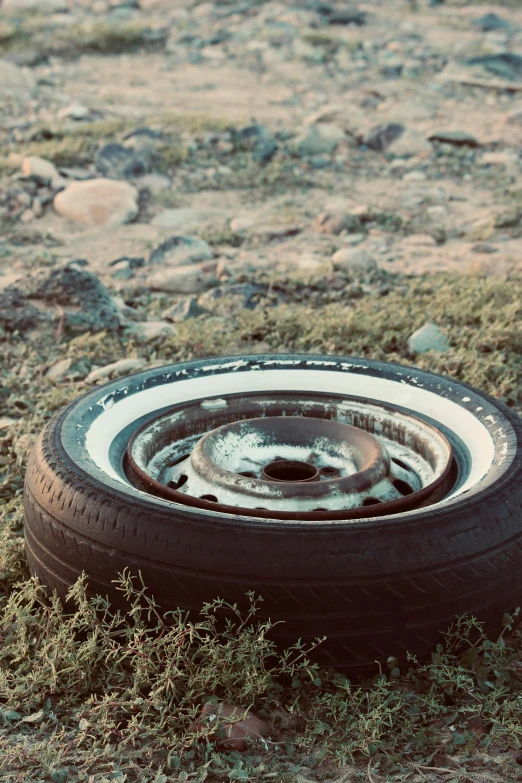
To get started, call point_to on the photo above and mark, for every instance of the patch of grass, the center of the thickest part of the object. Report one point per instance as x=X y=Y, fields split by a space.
x=103 y=37
x=98 y=689
x=195 y=123
x=68 y=145
x=169 y=155
x=481 y=317
x=67 y=151
x=222 y=236
x=93 y=693
x=71 y=40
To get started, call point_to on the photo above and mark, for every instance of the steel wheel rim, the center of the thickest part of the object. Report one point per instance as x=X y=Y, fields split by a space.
x=387 y=477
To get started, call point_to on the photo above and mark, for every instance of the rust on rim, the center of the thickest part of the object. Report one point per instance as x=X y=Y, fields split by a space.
x=292 y=457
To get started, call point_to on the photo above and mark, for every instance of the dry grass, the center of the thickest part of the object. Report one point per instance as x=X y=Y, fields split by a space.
x=96 y=694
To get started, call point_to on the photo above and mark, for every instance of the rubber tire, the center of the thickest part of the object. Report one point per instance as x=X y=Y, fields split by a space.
x=382 y=587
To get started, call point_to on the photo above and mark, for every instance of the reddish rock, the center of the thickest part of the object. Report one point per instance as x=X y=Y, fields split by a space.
x=233 y=725
x=99 y=202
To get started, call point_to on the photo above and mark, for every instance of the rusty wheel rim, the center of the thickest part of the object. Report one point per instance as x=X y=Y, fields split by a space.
x=292 y=456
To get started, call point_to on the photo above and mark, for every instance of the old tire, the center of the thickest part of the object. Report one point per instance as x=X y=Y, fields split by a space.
x=375 y=587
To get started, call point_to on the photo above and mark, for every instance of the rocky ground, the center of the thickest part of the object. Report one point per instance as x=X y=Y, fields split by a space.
x=181 y=178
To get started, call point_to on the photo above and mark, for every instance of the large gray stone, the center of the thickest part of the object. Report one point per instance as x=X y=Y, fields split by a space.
x=318 y=139
x=70 y=295
x=179 y=280
x=428 y=338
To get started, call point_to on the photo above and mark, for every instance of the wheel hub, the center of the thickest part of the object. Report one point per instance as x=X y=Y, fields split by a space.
x=292 y=458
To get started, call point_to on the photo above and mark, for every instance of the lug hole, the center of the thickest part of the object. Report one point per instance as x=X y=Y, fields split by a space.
x=210 y=498
x=371 y=501
x=329 y=471
x=401 y=464
x=402 y=487
x=248 y=474
x=179 y=483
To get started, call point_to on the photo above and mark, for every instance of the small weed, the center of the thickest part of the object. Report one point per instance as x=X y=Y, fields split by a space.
x=222 y=236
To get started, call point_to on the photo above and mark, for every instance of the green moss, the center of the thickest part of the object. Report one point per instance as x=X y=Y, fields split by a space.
x=68 y=151
x=195 y=123
x=103 y=37
x=71 y=40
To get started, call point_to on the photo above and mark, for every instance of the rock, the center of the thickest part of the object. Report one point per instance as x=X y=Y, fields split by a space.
x=27 y=216
x=143 y=140
x=328 y=113
x=26 y=57
x=115 y=369
x=498 y=159
x=59 y=370
x=40 y=169
x=116 y=161
x=126 y=314
x=124 y=268
x=428 y=338
x=6 y=422
x=490 y=22
x=181 y=280
x=232 y=726
x=184 y=219
x=392 y=69
x=15 y=80
x=100 y=202
x=344 y=16
x=484 y=247
x=37 y=207
x=437 y=215
x=408 y=144
x=318 y=139
x=242 y=223
x=228 y=299
x=351 y=259
x=183 y=311
x=150 y=330
x=180 y=251
x=43 y=6
x=414 y=176
x=416 y=197
x=506 y=65
x=418 y=240
x=380 y=137
x=72 y=296
x=458 y=138
x=155 y=183
x=276 y=231
x=335 y=222
x=259 y=140
x=77 y=111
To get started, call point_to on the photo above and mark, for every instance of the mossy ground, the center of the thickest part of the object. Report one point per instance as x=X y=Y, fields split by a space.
x=92 y=696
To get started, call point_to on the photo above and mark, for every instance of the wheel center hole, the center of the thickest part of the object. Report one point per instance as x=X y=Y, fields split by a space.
x=290 y=470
